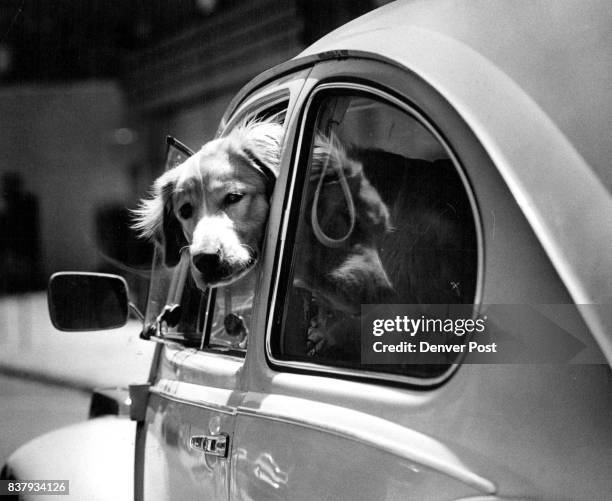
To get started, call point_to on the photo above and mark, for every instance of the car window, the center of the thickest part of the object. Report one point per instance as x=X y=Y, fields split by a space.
x=384 y=217
x=219 y=318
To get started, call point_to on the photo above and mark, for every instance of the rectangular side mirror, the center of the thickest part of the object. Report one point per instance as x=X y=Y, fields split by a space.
x=87 y=301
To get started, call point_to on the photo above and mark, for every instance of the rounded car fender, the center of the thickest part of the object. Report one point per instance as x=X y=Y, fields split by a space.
x=96 y=457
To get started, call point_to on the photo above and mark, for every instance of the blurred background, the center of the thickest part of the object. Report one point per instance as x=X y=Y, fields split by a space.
x=88 y=92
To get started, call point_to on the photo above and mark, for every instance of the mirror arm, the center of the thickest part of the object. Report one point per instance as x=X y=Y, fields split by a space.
x=170 y=316
x=136 y=311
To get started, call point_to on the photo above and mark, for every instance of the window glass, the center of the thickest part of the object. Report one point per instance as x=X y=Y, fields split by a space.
x=384 y=218
x=231 y=319
x=175 y=305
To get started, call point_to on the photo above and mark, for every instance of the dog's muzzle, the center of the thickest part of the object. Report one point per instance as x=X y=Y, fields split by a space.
x=205 y=262
x=211 y=267
x=214 y=270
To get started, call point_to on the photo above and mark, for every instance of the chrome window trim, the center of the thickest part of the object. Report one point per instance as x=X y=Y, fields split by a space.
x=209 y=406
x=269 y=99
x=327 y=370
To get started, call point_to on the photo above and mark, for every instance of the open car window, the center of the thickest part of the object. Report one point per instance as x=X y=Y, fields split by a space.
x=229 y=321
x=219 y=318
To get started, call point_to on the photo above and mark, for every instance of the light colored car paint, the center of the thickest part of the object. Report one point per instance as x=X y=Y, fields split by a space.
x=96 y=457
x=486 y=75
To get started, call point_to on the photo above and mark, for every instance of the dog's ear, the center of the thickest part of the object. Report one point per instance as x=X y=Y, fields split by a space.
x=154 y=219
x=173 y=238
x=264 y=140
x=259 y=142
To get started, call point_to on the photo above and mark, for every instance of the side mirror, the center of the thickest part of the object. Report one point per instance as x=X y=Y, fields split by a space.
x=87 y=301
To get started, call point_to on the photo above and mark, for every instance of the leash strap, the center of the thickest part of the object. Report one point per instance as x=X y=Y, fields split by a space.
x=324 y=239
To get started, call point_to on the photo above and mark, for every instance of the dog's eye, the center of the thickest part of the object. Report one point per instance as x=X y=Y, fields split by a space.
x=186 y=211
x=232 y=198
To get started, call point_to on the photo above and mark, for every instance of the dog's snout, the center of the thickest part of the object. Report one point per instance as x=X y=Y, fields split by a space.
x=206 y=262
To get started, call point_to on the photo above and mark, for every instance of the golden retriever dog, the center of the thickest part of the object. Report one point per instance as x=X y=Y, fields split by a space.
x=216 y=204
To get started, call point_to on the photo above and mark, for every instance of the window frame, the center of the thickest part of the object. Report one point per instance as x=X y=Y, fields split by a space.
x=262 y=102
x=178 y=279
x=291 y=214
x=266 y=100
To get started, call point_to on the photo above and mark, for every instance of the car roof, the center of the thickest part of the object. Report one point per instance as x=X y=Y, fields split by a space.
x=533 y=80
x=560 y=53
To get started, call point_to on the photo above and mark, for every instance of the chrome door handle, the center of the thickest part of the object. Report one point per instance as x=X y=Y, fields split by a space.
x=211 y=445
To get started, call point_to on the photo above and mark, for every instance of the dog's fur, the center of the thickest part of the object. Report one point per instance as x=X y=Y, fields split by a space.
x=215 y=204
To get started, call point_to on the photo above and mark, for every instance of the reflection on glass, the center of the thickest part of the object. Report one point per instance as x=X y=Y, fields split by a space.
x=385 y=219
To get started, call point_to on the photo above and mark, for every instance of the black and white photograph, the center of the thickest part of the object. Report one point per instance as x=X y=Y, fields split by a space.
x=310 y=250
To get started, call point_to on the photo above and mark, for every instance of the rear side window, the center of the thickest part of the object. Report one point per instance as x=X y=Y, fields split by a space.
x=383 y=216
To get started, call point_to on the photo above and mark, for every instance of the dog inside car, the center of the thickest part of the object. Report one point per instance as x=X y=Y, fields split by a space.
x=408 y=239
x=215 y=204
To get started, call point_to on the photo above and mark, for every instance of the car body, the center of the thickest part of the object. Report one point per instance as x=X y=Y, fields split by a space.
x=515 y=95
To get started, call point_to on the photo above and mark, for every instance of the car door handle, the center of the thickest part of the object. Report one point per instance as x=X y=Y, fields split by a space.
x=211 y=445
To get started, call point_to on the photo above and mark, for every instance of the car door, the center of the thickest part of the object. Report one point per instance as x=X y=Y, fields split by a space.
x=185 y=433
x=319 y=421
x=316 y=422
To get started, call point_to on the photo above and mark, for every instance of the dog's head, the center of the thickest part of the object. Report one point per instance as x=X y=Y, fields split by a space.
x=216 y=204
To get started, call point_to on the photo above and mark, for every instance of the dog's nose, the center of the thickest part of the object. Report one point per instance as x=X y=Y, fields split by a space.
x=204 y=262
